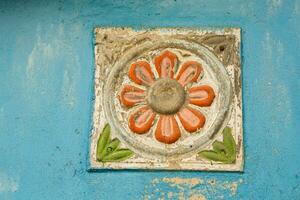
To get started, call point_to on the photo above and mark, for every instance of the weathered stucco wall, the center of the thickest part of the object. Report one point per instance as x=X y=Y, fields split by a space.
x=46 y=98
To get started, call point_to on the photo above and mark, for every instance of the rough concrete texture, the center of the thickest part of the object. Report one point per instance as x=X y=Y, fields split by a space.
x=46 y=97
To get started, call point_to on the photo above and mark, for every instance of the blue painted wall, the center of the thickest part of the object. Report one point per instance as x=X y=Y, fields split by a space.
x=46 y=97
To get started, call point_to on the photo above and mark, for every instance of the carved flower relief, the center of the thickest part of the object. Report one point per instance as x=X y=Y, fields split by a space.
x=165 y=96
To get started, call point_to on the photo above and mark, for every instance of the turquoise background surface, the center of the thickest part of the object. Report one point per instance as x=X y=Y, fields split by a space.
x=46 y=99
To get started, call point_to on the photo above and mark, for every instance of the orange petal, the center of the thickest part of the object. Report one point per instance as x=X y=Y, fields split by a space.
x=189 y=72
x=130 y=95
x=201 y=95
x=167 y=130
x=140 y=73
x=165 y=64
x=141 y=121
x=191 y=119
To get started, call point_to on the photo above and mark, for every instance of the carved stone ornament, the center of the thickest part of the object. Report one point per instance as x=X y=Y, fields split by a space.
x=167 y=98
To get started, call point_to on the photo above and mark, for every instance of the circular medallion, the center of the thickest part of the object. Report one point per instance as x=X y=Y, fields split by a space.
x=166 y=99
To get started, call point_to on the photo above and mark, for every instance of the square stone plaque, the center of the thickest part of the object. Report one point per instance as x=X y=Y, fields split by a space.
x=167 y=98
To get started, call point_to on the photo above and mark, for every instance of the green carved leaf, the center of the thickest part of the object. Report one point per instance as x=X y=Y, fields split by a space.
x=118 y=155
x=212 y=155
x=222 y=151
x=108 y=150
x=219 y=147
x=113 y=145
x=103 y=142
x=229 y=142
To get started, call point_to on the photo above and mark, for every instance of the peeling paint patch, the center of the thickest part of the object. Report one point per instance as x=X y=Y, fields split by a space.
x=232 y=186
x=41 y=50
x=49 y=54
x=8 y=184
x=274 y=85
x=190 y=188
x=188 y=181
x=197 y=197
x=68 y=89
x=297 y=7
x=273 y=6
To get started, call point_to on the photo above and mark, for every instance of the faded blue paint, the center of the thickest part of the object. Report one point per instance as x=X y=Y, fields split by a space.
x=46 y=97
